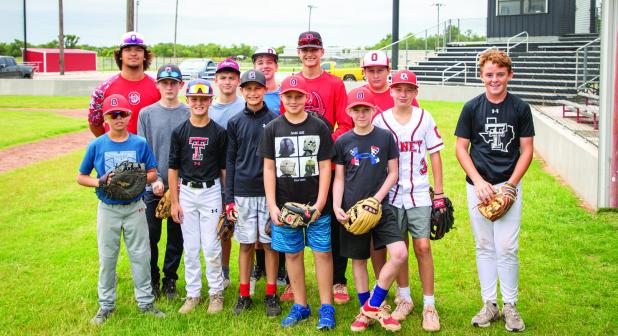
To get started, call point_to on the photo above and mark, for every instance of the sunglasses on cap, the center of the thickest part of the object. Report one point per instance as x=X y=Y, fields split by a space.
x=116 y=115
x=174 y=74
x=309 y=41
x=199 y=89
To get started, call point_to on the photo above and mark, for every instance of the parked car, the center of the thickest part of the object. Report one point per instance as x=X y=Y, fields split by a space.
x=10 y=69
x=346 y=74
x=198 y=68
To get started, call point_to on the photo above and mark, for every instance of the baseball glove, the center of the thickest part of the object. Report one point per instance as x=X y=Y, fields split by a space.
x=363 y=216
x=298 y=215
x=441 y=222
x=225 y=228
x=500 y=202
x=127 y=182
x=164 y=207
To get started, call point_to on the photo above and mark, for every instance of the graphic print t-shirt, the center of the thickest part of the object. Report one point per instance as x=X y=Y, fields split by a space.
x=297 y=150
x=198 y=152
x=494 y=131
x=365 y=158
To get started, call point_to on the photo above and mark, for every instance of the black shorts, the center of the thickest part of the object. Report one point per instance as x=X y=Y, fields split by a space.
x=386 y=232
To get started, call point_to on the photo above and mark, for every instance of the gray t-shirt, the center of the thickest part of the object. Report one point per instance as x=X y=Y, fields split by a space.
x=155 y=123
x=222 y=113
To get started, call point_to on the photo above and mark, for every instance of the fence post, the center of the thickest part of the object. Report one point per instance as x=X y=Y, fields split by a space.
x=426 y=40
x=449 y=31
x=444 y=37
x=458 y=29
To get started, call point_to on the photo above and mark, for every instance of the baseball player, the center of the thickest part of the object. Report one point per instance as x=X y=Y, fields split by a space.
x=119 y=218
x=495 y=135
x=416 y=135
x=245 y=190
x=133 y=58
x=366 y=159
x=155 y=123
x=197 y=162
x=284 y=183
x=267 y=61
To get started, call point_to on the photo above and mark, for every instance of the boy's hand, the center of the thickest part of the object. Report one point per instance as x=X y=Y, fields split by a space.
x=177 y=214
x=341 y=215
x=105 y=179
x=158 y=188
x=274 y=214
x=484 y=190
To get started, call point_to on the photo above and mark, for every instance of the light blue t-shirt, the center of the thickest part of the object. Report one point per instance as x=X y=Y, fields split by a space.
x=103 y=155
x=222 y=113
x=273 y=101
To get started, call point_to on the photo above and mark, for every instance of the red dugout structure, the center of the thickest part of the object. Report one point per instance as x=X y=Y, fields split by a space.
x=48 y=60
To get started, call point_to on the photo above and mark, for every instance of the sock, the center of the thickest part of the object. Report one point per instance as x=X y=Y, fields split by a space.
x=363 y=297
x=379 y=294
x=404 y=292
x=271 y=289
x=429 y=301
x=226 y=272
x=260 y=259
x=244 y=289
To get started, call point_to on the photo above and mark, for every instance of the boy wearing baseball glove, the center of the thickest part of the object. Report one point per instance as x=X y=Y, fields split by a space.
x=124 y=164
x=366 y=168
x=295 y=199
x=495 y=137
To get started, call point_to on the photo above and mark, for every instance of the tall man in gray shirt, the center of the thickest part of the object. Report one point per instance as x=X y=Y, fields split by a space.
x=156 y=123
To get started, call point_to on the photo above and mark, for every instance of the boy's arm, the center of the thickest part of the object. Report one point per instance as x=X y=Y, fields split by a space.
x=391 y=179
x=436 y=168
x=270 y=185
x=223 y=172
x=342 y=118
x=483 y=189
x=232 y=148
x=338 y=187
x=151 y=175
x=176 y=210
x=525 y=157
x=87 y=180
x=325 y=173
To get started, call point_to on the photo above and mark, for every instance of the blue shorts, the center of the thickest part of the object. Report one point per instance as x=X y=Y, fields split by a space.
x=288 y=240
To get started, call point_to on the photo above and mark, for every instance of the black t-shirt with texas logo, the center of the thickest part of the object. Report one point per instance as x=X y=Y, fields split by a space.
x=365 y=158
x=198 y=152
x=494 y=131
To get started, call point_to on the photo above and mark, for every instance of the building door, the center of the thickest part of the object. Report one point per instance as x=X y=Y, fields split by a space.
x=582 y=16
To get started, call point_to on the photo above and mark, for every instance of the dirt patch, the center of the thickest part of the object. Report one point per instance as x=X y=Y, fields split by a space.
x=74 y=113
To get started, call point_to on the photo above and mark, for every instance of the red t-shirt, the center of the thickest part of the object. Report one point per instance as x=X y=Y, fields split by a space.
x=328 y=98
x=139 y=93
x=384 y=100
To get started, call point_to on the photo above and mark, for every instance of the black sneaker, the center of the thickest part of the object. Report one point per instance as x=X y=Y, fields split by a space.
x=169 y=289
x=257 y=272
x=101 y=316
x=281 y=275
x=272 y=306
x=156 y=291
x=243 y=303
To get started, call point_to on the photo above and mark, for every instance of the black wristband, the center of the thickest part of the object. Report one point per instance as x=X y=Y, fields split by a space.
x=438 y=194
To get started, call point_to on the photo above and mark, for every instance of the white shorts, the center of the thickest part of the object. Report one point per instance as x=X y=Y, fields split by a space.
x=253 y=217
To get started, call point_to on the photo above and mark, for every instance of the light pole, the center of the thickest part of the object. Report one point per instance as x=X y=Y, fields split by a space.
x=136 y=14
x=310 y=8
x=175 y=29
x=438 y=5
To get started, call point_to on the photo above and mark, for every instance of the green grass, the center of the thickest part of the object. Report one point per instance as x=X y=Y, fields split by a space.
x=17 y=127
x=45 y=102
x=568 y=263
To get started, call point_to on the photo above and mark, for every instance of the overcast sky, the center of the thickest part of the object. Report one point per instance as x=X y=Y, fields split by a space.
x=347 y=23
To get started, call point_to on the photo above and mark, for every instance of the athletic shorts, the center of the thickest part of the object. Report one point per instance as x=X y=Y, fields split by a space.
x=358 y=246
x=417 y=221
x=316 y=236
x=253 y=217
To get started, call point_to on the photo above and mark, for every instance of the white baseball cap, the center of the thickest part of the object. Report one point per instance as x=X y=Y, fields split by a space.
x=265 y=51
x=375 y=58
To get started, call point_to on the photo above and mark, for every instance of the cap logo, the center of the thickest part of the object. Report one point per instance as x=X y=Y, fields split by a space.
x=404 y=76
x=113 y=102
x=293 y=82
x=271 y=51
x=168 y=69
x=309 y=36
x=251 y=75
x=360 y=95
x=133 y=37
x=374 y=56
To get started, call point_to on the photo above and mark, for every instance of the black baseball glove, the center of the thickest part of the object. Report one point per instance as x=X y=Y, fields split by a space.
x=126 y=181
x=442 y=218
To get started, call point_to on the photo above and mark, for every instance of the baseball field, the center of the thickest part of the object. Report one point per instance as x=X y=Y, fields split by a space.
x=49 y=265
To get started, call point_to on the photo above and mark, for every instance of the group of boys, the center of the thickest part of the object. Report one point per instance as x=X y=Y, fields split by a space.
x=309 y=142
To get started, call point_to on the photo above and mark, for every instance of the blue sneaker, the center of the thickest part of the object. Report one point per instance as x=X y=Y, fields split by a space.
x=326 y=317
x=297 y=314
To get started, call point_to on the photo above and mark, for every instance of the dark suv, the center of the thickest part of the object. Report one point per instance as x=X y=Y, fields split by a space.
x=10 y=69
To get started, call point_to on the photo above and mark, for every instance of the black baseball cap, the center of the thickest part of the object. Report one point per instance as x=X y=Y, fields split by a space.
x=309 y=39
x=169 y=71
x=252 y=75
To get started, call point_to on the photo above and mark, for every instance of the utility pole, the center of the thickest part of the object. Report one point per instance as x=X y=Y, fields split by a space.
x=438 y=5
x=25 y=56
x=61 y=37
x=136 y=15
x=130 y=15
x=310 y=8
x=175 y=29
x=395 y=54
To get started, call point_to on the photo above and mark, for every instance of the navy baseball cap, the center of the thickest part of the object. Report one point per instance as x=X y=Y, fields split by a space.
x=255 y=76
x=309 y=39
x=169 y=71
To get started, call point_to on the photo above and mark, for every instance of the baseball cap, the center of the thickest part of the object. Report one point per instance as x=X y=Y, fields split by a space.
x=132 y=38
x=199 y=87
x=293 y=83
x=115 y=103
x=375 y=58
x=360 y=96
x=404 y=77
x=252 y=76
x=309 y=39
x=265 y=51
x=228 y=64
x=169 y=71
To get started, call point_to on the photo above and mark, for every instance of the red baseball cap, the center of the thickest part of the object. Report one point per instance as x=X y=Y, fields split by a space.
x=294 y=83
x=404 y=77
x=360 y=96
x=115 y=103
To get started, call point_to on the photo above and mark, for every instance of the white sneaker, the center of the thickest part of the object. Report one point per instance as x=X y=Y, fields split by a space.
x=489 y=313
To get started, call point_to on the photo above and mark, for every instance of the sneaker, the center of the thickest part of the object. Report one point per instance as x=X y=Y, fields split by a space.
x=512 y=319
x=403 y=309
x=151 y=309
x=297 y=314
x=156 y=292
x=489 y=313
x=431 y=320
x=101 y=316
x=257 y=272
x=243 y=303
x=288 y=294
x=169 y=289
x=215 y=303
x=381 y=315
x=273 y=308
x=326 y=317
x=189 y=305
x=281 y=275
x=361 y=322
x=340 y=294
